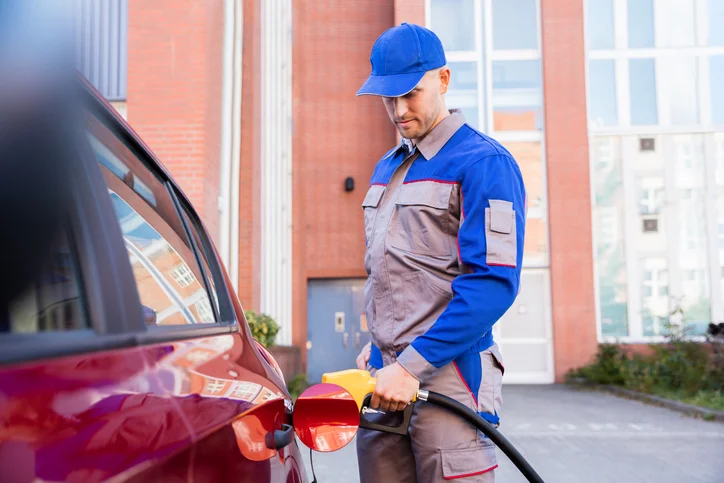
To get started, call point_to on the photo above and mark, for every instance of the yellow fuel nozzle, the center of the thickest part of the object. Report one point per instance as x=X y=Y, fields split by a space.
x=355 y=381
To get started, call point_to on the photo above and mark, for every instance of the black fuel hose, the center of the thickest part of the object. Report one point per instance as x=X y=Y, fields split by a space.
x=487 y=429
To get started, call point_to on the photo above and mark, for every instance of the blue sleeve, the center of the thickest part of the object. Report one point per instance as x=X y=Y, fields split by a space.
x=490 y=239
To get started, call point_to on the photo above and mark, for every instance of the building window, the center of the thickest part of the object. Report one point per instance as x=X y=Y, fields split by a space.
x=182 y=275
x=454 y=22
x=642 y=78
x=640 y=23
x=716 y=20
x=654 y=71
x=517 y=95
x=610 y=254
x=463 y=90
x=654 y=259
x=652 y=196
x=675 y=23
x=600 y=24
x=515 y=24
x=716 y=81
x=648 y=63
x=602 y=106
x=494 y=56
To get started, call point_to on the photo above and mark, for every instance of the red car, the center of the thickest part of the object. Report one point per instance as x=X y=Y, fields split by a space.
x=130 y=359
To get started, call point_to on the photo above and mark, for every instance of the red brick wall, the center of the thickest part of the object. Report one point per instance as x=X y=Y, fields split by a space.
x=574 y=315
x=174 y=91
x=336 y=135
x=410 y=11
x=250 y=162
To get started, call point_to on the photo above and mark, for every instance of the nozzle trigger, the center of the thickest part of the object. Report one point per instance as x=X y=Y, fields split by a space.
x=398 y=424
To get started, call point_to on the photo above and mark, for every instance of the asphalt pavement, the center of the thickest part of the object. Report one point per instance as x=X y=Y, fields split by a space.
x=576 y=435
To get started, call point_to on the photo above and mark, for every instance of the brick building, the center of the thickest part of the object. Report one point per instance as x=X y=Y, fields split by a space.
x=615 y=122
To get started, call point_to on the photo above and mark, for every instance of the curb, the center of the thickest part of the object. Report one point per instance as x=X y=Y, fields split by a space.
x=689 y=409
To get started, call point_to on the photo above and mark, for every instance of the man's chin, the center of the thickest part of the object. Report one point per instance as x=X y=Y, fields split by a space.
x=407 y=133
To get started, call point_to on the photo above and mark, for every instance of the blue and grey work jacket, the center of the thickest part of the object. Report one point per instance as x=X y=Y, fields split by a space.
x=445 y=226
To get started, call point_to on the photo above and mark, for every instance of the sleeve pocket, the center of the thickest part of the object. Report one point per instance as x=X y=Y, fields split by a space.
x=500 y=234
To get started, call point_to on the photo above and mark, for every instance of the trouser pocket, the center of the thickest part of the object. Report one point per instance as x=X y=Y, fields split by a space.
x=469 y=464
x=490 y=396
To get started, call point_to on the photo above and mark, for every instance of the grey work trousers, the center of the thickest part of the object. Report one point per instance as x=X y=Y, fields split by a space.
x=440 y=446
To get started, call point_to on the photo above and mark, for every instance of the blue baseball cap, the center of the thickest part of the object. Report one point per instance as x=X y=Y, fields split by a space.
x=400 y=58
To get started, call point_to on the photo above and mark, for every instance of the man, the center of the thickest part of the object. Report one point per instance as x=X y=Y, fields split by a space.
x=445 y=224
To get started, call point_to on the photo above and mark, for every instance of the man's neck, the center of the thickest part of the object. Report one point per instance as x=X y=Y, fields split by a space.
x=443 y=114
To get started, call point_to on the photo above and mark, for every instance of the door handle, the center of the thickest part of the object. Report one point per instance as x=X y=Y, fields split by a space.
x=344 y=342
x=356 y=340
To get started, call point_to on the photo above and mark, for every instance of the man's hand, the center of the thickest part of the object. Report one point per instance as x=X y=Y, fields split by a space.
x=364 y=357
x=395 y=388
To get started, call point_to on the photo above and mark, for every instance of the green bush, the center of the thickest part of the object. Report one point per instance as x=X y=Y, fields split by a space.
x=609 y=367
x=297 y=386
x=263 y=327
x=681 y=366
x=685 y=370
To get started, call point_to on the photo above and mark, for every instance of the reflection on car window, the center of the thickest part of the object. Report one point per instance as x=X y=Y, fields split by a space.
x=205 y=265
x=165 y=282
x=54 y=301
x=170 y=284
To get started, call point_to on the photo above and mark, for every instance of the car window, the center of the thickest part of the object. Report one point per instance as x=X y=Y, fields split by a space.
x=53 y=301
x=214 y=278
x=170 y=284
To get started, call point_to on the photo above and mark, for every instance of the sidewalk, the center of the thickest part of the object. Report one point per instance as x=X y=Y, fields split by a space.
x=571 y=435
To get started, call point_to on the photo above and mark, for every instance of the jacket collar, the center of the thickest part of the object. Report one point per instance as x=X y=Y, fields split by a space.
x=438 y=137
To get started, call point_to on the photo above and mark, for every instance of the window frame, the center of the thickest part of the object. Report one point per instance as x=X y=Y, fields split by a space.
x=620 y=54
x=222 y=304
x=155 y=333
x=111 y=300
x=483 y=56
x=670 y=212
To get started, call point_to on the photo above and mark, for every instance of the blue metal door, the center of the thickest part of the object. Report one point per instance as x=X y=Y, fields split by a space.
x=336 y=325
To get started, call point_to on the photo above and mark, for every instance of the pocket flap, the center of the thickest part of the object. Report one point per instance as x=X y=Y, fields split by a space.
x=374 y=195
x=426 y=193
x=461 y=463
x=497 y=357
x=501 y=216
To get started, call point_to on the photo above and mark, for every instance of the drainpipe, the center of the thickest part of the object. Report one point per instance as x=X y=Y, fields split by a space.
x=231 y=139
x=227 y=80
x=236 y=142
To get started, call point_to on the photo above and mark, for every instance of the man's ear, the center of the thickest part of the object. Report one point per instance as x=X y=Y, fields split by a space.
x=444 y=77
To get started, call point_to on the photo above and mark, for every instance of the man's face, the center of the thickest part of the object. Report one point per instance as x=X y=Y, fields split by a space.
x=415 y=113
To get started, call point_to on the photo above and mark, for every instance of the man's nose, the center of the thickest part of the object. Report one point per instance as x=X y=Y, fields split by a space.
x=400 y=107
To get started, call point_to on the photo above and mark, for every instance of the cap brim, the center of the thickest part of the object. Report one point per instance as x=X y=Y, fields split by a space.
x=394 y=85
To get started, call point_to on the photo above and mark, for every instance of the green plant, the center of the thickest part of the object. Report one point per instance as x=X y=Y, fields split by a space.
x=297 y=385
x=679 y=368
x=609 y=367
x=680 y=365
x=263 y=327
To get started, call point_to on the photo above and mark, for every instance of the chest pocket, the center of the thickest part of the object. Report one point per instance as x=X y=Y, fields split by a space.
x=423 y=219
x=370 y=205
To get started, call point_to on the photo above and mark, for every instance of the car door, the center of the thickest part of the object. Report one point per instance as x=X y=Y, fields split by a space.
x=112 y=363
x=77 y=399
x=229 y=398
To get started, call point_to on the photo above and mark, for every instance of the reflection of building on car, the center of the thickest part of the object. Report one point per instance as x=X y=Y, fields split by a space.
x=129 y=357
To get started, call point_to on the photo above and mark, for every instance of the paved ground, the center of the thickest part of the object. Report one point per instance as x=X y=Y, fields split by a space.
x=572 y=435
